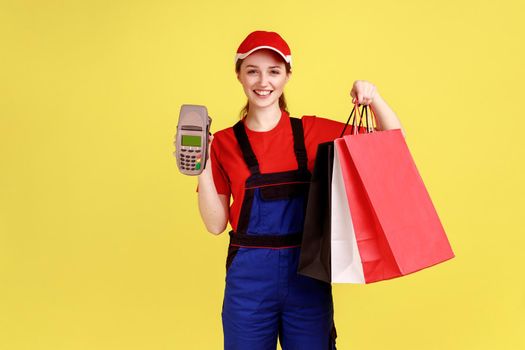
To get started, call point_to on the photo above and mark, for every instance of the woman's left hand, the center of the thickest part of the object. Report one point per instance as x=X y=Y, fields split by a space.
x=364 y=91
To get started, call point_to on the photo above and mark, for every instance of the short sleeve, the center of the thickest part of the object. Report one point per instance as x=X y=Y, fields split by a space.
x=219 y=175
x=321 y=130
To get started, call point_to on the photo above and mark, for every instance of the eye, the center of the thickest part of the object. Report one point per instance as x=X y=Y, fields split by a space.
x=251 y=71
x=275 y=72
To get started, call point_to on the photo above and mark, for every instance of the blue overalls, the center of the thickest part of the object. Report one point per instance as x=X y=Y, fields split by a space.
x=264 y=297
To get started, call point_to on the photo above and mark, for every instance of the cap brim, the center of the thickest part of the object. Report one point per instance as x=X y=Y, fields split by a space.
x=287 y=58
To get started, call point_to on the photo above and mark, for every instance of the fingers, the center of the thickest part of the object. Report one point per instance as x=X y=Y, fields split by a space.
x=210 y=139
x=363 y=92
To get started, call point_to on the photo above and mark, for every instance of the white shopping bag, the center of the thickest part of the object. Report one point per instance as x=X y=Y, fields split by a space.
x=345 y=258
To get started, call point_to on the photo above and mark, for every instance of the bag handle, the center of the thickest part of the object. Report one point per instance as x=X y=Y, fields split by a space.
x=375 y=121
x=370 y=119
x=349 y=117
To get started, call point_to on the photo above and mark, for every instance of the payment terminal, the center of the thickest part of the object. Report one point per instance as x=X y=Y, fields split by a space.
x=192 y=139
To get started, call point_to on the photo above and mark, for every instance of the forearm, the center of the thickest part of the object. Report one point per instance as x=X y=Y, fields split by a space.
x=386 y=117
x=213 y=207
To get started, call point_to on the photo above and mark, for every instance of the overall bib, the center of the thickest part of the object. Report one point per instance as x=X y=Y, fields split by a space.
x=265 y=299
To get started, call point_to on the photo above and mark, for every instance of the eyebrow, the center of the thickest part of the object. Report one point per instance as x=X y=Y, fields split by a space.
x=251 y=65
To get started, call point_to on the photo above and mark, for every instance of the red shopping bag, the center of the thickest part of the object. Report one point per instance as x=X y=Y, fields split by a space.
x=393 y=224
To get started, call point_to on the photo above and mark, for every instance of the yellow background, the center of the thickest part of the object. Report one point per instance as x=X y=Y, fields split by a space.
x=101 y=243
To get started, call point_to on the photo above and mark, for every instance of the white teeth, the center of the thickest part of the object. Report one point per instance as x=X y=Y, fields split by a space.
x=262 y=92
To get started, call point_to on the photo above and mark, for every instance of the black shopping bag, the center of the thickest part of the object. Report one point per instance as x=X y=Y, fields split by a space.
x=314 y=260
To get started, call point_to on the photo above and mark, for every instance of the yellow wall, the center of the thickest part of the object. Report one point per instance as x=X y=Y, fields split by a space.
x=101 y=243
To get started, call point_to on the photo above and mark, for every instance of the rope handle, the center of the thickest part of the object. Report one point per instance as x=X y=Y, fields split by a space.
x=371 y=119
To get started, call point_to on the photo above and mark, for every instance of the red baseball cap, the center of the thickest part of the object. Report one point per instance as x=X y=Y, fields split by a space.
x=260 y=39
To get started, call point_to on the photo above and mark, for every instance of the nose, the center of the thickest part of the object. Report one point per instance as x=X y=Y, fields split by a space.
x=263 y=79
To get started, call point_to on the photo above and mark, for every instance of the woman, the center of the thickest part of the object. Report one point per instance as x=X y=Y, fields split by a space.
x=264 y=162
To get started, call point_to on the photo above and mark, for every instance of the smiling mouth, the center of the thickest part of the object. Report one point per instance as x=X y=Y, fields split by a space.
x=262 y=92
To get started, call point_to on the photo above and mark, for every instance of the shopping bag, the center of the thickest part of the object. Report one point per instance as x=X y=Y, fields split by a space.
x=390 y=228
x=314 y=259
x=360 y=253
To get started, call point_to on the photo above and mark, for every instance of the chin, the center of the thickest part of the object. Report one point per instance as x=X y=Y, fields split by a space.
x=265 y=105
x=261 y=104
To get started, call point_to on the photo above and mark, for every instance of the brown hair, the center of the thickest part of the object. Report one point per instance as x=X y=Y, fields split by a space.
x=282 y=99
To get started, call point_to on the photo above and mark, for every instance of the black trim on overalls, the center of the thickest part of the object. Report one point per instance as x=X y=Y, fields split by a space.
x=266 y=241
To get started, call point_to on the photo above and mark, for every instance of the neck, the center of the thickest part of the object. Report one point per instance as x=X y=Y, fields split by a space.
x=263 y=119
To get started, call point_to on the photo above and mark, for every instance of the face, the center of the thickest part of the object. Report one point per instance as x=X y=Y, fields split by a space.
x=263 y=77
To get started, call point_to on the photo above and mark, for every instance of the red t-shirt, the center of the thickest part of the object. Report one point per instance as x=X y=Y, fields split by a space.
x=273 y=150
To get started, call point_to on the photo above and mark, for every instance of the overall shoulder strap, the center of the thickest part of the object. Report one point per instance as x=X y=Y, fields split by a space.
x=298 y=142
x=246 y=148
